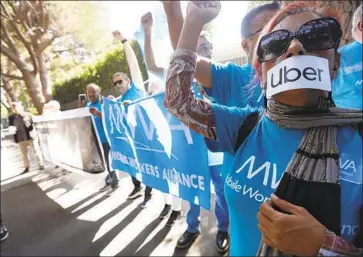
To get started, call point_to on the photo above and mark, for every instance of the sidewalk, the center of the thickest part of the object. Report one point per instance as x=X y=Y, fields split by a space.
x=57 y=213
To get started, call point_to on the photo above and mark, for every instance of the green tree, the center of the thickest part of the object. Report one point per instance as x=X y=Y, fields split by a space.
x=27 y=29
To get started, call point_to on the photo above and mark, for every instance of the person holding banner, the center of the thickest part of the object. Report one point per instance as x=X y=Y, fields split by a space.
x=173 y=204
x=130 y=91
x=95 y=107
x=347 y=87
x=317 y=195
x=193 y=216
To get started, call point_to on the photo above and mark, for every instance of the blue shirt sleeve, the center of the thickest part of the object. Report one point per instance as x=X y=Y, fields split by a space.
x=228 y=122
x=227 y=80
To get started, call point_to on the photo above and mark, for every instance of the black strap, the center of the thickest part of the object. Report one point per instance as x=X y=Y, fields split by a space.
x=246 y=128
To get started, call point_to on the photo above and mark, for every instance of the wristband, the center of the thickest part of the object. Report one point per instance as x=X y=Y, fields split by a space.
x=123 y=41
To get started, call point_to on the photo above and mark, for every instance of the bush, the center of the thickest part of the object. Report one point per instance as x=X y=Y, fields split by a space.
x=100 y=73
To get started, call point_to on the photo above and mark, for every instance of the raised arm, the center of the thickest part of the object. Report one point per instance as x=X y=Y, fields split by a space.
x=179 y=97
x=132 y=62
x=175 y=19
x=147 y=23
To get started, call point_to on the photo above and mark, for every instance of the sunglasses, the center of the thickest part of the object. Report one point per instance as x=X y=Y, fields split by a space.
x=315 y=35
x=117 y=82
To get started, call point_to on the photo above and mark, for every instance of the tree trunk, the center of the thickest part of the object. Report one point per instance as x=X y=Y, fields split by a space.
x=34 y=90
x=347 y=8
x=47 y=87
x=6 y=101
x=9 y=90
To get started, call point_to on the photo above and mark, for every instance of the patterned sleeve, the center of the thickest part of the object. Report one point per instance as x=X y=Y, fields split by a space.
x=180 y=100
x=336 y=246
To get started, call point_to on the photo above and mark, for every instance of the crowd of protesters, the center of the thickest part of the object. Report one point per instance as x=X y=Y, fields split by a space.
x=232 y=106
x=225 y=98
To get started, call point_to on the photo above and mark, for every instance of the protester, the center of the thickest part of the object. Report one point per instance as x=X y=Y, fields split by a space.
x=225 y=83
x=304 y=117
x=347 y=87
x=130 y=91
x=173 y=204
x=95 y=107
x=22 y=124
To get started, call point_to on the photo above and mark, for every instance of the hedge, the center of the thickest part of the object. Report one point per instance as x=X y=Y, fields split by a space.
x=100 y=73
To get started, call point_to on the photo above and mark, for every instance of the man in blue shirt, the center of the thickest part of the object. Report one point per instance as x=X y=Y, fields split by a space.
x=130 y=91
x=347 y=86
x=227 y=84
x=95 y=107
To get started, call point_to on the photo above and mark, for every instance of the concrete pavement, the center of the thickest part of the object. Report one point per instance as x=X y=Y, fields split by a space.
x=57 y=213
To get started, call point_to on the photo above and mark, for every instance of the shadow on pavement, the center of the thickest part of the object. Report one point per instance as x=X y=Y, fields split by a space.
x=39 y=226
x=132 y=247
x=150 y=246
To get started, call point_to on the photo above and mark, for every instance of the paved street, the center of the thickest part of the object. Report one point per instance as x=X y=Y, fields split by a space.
x=58 y=213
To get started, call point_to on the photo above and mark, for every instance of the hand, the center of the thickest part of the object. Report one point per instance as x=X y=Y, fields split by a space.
x=147 y=22
x=297 y=233
x=118 y=35
x=203 y=11
x=94 y=111
x=126 y=102
x=81 y=104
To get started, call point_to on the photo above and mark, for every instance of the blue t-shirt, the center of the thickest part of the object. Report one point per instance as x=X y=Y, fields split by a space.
x=259 y=165
x=98 y=122
x=234 y=85
x=347 y=86
x=132 y=94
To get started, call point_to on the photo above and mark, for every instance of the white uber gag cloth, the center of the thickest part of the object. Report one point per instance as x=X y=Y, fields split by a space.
x=298 y=72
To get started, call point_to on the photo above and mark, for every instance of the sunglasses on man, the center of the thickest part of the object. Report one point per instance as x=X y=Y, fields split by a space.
x=315 y=35
x=119 y=82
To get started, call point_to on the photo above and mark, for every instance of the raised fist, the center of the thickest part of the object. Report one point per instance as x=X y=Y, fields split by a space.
x=118 y=35
x=203 y=11
x=147 y=21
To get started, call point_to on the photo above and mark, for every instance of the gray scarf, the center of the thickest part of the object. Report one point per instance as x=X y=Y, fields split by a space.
x=320 y=138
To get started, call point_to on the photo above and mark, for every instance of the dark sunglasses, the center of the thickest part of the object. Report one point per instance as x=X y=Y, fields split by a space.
x=315 y=35
x=117 y=82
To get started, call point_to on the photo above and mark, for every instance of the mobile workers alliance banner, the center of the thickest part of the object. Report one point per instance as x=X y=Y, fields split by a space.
x=156 y=148
x=69 y=140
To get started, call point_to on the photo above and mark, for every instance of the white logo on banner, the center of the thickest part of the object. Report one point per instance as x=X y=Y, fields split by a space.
x=299 y=72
